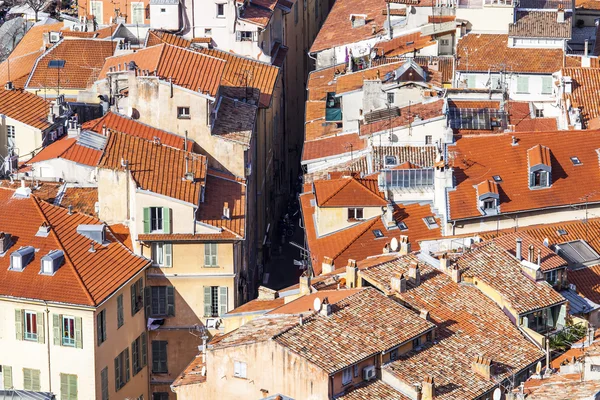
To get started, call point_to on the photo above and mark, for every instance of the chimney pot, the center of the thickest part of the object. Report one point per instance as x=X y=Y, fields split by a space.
x=531 y=254
x=483 y=366
x=398 y=284
x=327 y=265
x=304 y=285
x=428 y=388
x=456 y=274
x=519 y=254
x=414 y=274
x=351 y=274
x=404 y=245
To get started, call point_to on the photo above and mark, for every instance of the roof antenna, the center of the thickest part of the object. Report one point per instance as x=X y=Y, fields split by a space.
x=70 y=209
x=92 y=249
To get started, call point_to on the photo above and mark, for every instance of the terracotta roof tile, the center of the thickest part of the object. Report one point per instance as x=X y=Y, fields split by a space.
x=519 y=115
x=155 y=37
x=487 y=187
x=156 y=168
x=235 y=121
x=349 y=192
x=540 y=24
x=408 y=115
x=33 y=41
x=561 y=387
x=305 y=304
x=423 y=156
x=17 y=69
x=585 y=93
x=25 y=107
x=587 y=4
x=132 y=127
x=539 y=155
x=332 y=146
x=404 y=44
x=192 y=374
x=83 y=58
x=257 y=305
x=187 y=68
x=85 y=278
x=68 y=149
x=481 y=48
x=122 y=234
x=373 y=390
x=475 y=158
x=257 y=15
x=81 y=199
x=102 y=33
x=358 y=165
x=257 y=330
x=368 y=321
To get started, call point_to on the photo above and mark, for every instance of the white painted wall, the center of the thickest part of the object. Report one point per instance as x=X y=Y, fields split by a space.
x=511 y=79
x=68 y=171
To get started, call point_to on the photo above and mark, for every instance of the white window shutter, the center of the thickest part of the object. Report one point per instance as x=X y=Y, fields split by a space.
x=222 y=300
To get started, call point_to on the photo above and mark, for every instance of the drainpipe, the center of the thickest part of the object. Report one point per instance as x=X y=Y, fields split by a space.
x=48 y=345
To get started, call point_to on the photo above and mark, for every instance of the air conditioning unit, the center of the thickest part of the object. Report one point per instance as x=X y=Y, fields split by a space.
x=368 y=373
x=54 y=37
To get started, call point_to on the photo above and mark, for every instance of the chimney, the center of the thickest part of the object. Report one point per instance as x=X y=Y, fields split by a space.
x=351 y=274
x=515 y=141
x=4 y=242
x=398 y=283
x=519 y=254
x=226 y=211
x=325 y=308
x=428 y=389
x=560 y=15
x=444 y=262
x=264 y=293
x=404 y=245
x=456 y=274
x=482 y=366
x=304 y=285
x=424 y=314
x=414 y=274
x=530 y=254
x=327 y=265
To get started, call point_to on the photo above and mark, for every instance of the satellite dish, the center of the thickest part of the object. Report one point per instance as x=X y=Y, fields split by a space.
x=538 y=368
x=317 y=304
x=497 y=394
x=373 y=54
x=546 y=242
x=394 y=244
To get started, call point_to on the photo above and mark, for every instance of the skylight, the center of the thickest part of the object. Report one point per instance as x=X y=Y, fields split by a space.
x=497 y=178
x=378 y=234
x=577 y=252
x=430 y=222
x=576 y=160
x=561 y=232
x=402 y=226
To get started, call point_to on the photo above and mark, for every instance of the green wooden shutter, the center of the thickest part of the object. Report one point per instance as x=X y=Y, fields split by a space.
x=148 y=301
x=120 y=311
x=144 y=350
x=166 y=214
x=7 y=377
x=99 y=328
x=546 y=85
x=222 y=300
x=146 y=219
x=103 y=325
x=170 y=300
x=117 y=374
x=72 y=386
x=213 y=251
x=523 y=84
x=27 y=379
x=133 y=289
x=127 y=365
x=155 y=355
x=168 y=254
x=207 y=301
x=40 y=327
x=19 y=324
x=64 y=386
x=104 y=383
x=78 y=333
x=56 y=320
x=134 y=356
x=206 y=254
x=35 y=380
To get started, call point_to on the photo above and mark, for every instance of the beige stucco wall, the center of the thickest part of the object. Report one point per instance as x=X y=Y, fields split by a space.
x=117 y=340
x=112 y=195
x=269 y=367
x=487 y=19
x=27 y=138
x=182 y=214
x=331 y=219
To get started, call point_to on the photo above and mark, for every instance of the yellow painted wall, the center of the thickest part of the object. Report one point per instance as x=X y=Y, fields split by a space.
x=182 y=215
x=333 y=219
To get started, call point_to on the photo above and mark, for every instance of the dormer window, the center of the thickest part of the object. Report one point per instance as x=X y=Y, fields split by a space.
x=540 y=167
x=19 y=259
x=488 y=198
x=51 y=262
x=489 y=204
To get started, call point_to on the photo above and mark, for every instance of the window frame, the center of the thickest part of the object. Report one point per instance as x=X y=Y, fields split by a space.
x=487 y=202
x=240 y=370
x=428 y=139
x=30 y=317
x=355 y=213
x=101 y=327
x=183 y=112
x=71 y=342
x=10 y=136
x=120 y=312
x=523 y=85
x=158 y=292
x=391 y=97
x=31 y=386
x=137 y=296
x=161 y=348
x=346 y=376
x=68 y=395
x=104 y=383
x=156 y=220
x=222 y=9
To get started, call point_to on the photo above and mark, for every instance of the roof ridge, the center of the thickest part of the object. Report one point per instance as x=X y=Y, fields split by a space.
x=66 y=254
x=350 y=242
x=336 y=192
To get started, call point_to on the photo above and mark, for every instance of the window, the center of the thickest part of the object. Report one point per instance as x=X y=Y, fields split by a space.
x=355 y=213
x=215 y=301
x=137 y=13
x=546 y=85
x=163 y=10
x=104 y=383
x=239 y=369
x=138 y=353
x=296 y=13
x=161 y=302
x=6 y=377
x=121 y=369
x=402 y=226
x=157 y=220
x=101 y=327
x=10 y=135
x=159 y=356
x=471 y=81
x=220 y=10
x=246 y=36
x=539 y=113
x=160 y=396
x=576 y=160
x=522 y=84
x=394 y=355
x=120 y=317
x=489 y=204
x=390 y=160
x=552 y=276
x=356 y=370
x=416 y=342
x=347 y=376
x=137 y=296
x=430 y=222
x=539 y=179
x=428 y=139
x=210 y=255
x=445 y=42
x=390 y=98
x=31 y=379
x=561 y=232
x=31 y=326
x=378 y=234
x=96 y=7
x=68 y=387
x=68 y=331
x=207 y=31
x=183 y=112
x=497 y=178
x=162 y=254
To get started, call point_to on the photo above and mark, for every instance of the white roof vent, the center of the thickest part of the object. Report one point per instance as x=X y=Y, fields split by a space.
x=43 y=230
x=93 y=232
x=51 y=262
x=19 y=259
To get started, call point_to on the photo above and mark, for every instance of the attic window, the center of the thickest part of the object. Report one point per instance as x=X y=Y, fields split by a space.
x=561 y=232
x=402 y=226
x=378 y=234
x=576 y=160
x=21 y=257
x=430 y=222
x=51 y=262
x=497 y=178
x=390 y=160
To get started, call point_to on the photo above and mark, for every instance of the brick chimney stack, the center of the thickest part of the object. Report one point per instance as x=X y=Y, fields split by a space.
x=482 y=366
x=414 y=274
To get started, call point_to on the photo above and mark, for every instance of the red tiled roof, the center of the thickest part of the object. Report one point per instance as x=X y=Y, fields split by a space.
x=127 y=125
x=476 y=158
x=540 y=24
x=519 y=116
x=235 y=121
x=306 y=303
x=587 y=4
x=85 y=278
x=187 y=68
x=332 y=146
x=33 y=41
x=154 y=37
x=102 y=33
x=81 y=199
x=404 y=44
x=257 y=305
x=549 y=259
x=585 y=94
x=422 y=156
x=348 y=192
x=474 y=52
x=561 y=386
x=156 y=168
x=68 y=149
x=83 y=58
x=17 y=69
x=192 y=374
x=487 y=187
x=256 y=15
x=25 y=107
x=539 y=155
x=408 y=115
